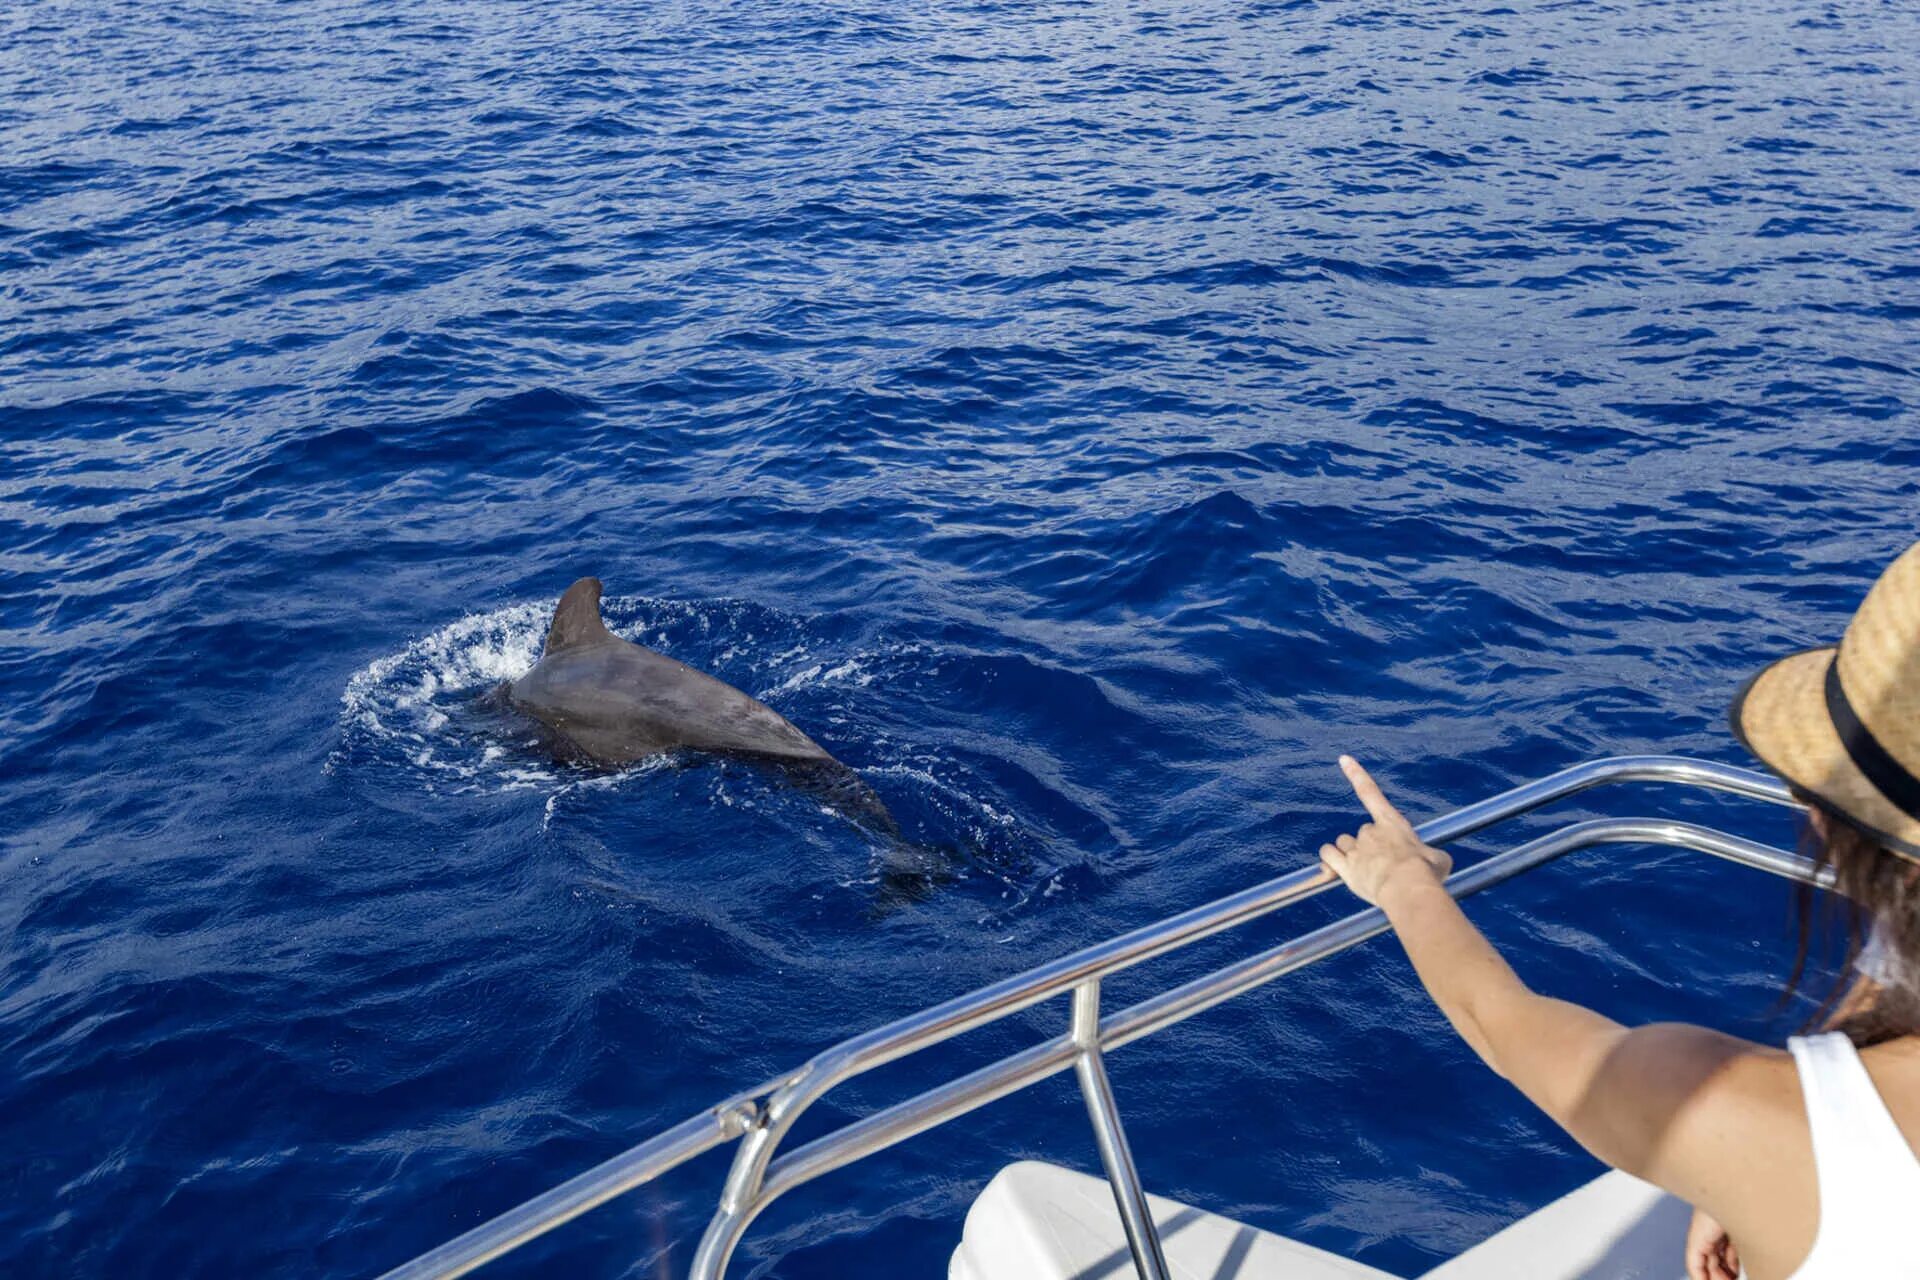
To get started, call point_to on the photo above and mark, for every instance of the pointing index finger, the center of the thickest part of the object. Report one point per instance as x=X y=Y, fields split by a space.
x=1368 y=790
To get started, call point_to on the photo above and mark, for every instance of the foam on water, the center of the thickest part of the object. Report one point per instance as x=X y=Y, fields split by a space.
x=417 y=709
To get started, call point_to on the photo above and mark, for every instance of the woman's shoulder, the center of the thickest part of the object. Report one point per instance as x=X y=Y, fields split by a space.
x=1727 y=1059
x=1720 y=1088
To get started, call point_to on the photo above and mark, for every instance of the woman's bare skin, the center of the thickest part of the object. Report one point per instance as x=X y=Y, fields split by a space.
x=1713 y=1119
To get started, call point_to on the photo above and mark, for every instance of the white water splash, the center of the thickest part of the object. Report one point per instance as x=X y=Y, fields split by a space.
x=416 y=704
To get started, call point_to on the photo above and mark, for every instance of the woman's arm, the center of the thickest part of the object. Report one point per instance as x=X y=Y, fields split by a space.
x=1653 y=1100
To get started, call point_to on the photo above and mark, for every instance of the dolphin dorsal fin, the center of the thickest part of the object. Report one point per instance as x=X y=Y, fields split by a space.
x=576 y=619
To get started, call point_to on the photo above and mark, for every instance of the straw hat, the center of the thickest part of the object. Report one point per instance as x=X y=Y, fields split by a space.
x=1843 y=724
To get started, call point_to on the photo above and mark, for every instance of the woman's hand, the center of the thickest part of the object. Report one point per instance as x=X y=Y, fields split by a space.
x=1384 y=856
x=1710 y=1254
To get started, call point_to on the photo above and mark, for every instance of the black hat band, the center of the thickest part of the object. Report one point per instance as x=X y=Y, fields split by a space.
x=1891 y=778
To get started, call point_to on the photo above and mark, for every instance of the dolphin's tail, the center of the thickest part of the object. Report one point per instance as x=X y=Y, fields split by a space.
x=847 y=793
x=908 y=871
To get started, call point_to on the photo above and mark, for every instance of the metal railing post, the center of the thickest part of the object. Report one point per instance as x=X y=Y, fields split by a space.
x=1143 y=1238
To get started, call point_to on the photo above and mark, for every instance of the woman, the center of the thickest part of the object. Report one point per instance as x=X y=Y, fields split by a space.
x=1807 y=1156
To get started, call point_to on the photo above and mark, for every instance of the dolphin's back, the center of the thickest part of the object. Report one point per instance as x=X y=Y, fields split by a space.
x=618 y=702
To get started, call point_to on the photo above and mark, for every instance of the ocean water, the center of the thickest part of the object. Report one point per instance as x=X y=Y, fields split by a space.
x=1085 y=419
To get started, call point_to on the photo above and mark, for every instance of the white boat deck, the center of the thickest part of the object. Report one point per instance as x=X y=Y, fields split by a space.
x=1038 y=1221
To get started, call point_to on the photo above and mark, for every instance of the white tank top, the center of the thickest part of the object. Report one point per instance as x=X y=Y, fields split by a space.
x=1869 y=1177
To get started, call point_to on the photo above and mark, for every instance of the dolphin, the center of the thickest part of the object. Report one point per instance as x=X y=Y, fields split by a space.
x=614 y=702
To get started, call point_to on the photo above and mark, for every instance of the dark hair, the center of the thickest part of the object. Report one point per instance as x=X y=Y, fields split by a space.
x=1872 y=886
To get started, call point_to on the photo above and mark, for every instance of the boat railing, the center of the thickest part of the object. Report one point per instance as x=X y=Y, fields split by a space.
x=759 y=1120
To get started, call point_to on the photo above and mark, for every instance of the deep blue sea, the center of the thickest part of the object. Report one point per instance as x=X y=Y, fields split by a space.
x=1085 y=419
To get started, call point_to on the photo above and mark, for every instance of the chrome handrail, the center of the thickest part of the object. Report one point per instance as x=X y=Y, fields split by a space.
x=761 y=1118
